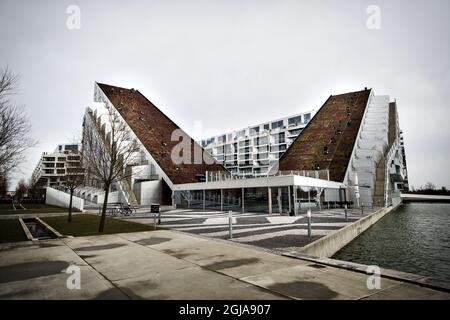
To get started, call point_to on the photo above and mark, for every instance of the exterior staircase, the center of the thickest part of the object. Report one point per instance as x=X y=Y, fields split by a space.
x=369 y=161
x=124 y=186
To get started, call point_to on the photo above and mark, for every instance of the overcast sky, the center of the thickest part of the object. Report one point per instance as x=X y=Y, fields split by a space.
x=214 y=66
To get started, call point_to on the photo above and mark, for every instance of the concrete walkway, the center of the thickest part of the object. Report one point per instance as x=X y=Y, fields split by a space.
x=171 y=265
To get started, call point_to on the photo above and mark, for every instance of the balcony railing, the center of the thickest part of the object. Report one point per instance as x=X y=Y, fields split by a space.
x=225 y=176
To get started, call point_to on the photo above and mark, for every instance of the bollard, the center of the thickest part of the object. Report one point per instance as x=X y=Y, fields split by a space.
x=230 y=223
x=308 y=215
x=346 y=212
x=154 y=218
x=362 y=208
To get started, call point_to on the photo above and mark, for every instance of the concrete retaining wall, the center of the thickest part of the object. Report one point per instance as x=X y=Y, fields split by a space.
x=61 y=199
x=332 y=243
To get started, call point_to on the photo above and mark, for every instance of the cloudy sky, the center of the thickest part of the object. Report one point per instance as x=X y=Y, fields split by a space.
x=214 y=66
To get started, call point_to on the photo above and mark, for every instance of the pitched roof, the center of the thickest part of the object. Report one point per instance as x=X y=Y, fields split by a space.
x=327 y=140
x=154 y=129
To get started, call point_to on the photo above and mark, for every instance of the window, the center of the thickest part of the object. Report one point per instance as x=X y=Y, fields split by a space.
x=277 y=124
x=222 y=139
x=71 y=147
x=254 y=131
x=220 y=150
x=281 y=147
x=307 y=117
x=266 y=126
x=295 y=132
x=263 y=149
x=294 y=121
x=244 y=157
x=241 y=133
x=228 y=148
x=279 y=138
x=263 y=140
x=262 y=156
x=244 y=143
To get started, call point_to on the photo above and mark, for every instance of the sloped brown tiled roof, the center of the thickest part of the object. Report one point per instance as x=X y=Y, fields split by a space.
x=154 y=129
x=327 y=140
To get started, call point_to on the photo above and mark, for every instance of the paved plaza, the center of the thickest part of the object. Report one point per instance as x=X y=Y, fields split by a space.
x=171 y=265
x=280 y=233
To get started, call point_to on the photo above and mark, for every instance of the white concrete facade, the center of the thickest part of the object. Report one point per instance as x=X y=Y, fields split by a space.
x=53 y=167
x=252 y=151
x=62 y=199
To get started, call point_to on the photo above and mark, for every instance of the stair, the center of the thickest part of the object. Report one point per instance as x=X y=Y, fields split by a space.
x=124 y=186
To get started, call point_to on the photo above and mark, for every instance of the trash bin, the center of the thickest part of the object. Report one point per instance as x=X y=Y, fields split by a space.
x=154 y=208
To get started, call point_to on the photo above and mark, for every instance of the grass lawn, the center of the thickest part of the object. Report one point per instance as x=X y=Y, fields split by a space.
x=87 y=225
x=11 y=231
x=31 y=208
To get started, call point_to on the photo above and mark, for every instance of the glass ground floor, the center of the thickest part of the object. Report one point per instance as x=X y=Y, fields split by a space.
x=283 y=199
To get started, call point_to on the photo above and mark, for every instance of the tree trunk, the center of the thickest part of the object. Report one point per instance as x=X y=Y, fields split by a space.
x=70 y=205
x=101 y=227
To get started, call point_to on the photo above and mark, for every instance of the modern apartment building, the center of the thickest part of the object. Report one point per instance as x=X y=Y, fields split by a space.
x=53 y=167
x=356 y=137
x=151 y=172
x=351 y=149
x=253 y=150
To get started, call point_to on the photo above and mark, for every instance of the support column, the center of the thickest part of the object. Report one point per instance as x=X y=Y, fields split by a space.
x=319 y=193
x=280 y=201
x=221 y=199
x=289 y=199
x=204 y=199
x=269 y=197
x=295 y=200
x=243 y=195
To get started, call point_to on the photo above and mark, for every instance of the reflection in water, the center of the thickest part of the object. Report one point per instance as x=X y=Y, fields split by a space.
x=415 y=238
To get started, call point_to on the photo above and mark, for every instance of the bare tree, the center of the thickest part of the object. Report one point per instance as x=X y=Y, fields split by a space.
x=21 y=190
x=73 y=179
x=14 y=125
x=107 y=151
x=4 y=183
x=429 y=186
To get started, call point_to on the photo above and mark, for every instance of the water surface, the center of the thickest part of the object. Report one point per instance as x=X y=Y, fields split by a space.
x=414 y=238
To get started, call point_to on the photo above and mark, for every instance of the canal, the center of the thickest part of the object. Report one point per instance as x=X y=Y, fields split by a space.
x=414 y=238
